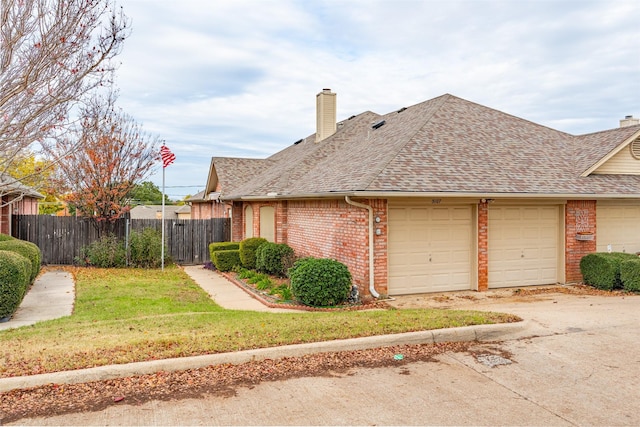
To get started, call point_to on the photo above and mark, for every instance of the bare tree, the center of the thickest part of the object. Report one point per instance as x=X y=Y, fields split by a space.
x=52 y=52
x=105 y=158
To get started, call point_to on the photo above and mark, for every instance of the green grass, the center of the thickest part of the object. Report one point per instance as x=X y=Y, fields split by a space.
x=130 y=315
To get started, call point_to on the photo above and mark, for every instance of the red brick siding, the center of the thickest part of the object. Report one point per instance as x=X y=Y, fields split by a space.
x=380 y=254
x=237 y=222
x=483 y=246
x=580 y=216
x=334 y=229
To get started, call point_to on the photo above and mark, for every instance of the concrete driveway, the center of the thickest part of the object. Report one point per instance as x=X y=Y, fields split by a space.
x=578 y=363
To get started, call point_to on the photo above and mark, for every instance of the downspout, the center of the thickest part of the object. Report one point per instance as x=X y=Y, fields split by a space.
x=372 y=289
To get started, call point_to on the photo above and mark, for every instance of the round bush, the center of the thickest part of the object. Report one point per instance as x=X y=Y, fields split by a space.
x=248 y=248
x=320 y=282
x=4 y=237
x=26 y=249
x=274 y=258
x=15 y=271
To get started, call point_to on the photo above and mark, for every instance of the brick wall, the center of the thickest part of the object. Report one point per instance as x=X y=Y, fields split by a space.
x=483 y=251
x=237 y=222
x=580 y=217
x=334 y=229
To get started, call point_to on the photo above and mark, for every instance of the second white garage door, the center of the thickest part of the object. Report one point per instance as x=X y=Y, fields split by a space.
x=523 y=245
x=429 y=248
x=618 y=226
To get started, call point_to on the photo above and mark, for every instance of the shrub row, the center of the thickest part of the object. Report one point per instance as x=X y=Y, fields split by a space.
x=145 y=251
x=19 y=265
x=315 y=282
x=605 y=271
x=254 y=253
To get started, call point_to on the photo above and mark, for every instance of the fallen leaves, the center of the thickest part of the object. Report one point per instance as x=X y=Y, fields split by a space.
x=222 y=380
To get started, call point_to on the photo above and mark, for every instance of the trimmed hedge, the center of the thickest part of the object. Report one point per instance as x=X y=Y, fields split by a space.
x=274 y=258
x=602 y=270
x=4 y=237
x=630 y=274
x=222 y=246
x=320 y=282
x=226 y=260
x=248 y=248
x=15 y=273
x=26 y=249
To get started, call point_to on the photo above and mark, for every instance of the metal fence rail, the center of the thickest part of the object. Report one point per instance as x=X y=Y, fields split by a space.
x=61 y=238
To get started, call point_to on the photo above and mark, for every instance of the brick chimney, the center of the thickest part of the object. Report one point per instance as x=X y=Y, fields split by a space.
x=325 y=114
x=629 y=121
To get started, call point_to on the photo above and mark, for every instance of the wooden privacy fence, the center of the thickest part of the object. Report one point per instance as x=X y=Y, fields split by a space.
x=61 y=238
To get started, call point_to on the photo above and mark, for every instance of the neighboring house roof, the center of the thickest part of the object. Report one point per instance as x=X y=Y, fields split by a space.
x=155 y=211
x=10 y=186
x=446 y=145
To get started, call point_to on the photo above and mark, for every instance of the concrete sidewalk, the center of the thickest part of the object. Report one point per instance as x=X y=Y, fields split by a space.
x=51 y=296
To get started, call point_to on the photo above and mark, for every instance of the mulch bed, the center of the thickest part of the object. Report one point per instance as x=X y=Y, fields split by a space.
x=273 y=302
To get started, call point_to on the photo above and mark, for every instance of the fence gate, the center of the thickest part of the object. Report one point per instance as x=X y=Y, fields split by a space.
x=61 y=238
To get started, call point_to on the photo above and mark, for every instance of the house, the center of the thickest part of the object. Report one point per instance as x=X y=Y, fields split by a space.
x=443 y=195
x=16 y=199
x=155 y=212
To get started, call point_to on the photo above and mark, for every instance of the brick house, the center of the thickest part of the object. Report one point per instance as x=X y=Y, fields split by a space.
x=443 y=195
x=16 y=199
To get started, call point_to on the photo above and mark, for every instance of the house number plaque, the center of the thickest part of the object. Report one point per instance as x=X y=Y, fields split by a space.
x=582 y=220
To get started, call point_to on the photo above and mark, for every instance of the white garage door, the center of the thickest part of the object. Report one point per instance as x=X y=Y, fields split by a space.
x=523 y=245
x=618 y=226
x=429 y=248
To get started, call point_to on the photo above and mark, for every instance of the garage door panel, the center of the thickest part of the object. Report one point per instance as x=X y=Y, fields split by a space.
x=435 y=247
x=618 y=226
x=523 y=245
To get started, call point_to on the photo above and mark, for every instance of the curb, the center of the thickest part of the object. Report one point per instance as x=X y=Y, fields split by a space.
x=467 y=333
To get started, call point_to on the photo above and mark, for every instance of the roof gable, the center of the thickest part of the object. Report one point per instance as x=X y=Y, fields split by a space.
x=624 y=159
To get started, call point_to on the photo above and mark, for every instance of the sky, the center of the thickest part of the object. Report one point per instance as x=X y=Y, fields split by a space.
x=239 y=78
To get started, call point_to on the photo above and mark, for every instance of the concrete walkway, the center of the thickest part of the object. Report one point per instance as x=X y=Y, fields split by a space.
x=225 y=293
x=51 y=296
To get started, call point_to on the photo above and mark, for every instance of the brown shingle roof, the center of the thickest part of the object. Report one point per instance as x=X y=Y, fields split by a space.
x=446 y=144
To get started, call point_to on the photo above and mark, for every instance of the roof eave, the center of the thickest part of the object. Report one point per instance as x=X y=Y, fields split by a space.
x=431 y=195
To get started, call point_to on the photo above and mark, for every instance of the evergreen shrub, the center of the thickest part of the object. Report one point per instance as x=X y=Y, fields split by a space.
x=320 y=282
x=248 y=248
x=602 y=270
x=15 y=273
x=145 y=248
x=630 y=274
x=226 y=260
x=274 y=258
x=28 y=250
x=107 y=252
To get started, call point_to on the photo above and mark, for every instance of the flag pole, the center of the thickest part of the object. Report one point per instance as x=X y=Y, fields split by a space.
x=162 y=246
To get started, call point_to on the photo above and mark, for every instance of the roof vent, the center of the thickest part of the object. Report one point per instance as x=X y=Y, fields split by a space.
x=379 y=124
x=352 y=117
x=298 y=142
x=402 y=109
x=635 y=148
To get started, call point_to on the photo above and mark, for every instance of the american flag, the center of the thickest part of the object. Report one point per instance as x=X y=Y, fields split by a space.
x=167 y=156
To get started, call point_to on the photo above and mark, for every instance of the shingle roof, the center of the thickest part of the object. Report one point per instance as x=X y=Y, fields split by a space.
x=446 y=144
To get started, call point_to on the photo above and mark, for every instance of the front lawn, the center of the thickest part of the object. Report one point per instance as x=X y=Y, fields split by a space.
x=132 y=315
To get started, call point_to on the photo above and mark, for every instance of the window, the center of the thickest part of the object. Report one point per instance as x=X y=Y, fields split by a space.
x=248 y=222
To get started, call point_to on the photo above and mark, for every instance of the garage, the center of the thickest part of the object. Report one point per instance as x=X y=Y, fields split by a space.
x=523 y=245
x=430 y=248
x=618 y=226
